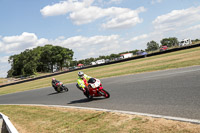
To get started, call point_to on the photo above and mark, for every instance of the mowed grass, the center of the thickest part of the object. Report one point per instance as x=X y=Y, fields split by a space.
x=184 y=58
x=40 y=119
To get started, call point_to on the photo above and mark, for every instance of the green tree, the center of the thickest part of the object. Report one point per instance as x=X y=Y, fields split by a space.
x=113 y=56
x=15 y=65
x=196 y=40
x=40 y=59
x=46 y=58
x=29 y=62
x=24 y=63
x=152 y=46
x=169 y=42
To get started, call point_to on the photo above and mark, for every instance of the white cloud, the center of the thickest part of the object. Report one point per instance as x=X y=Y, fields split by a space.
x=192 y=28
x=190 y=32
x=177 y=23
x=25 y=37
x=64 y=7
x=86 y=15
x=4 y=66
x=13 y=44
x=123 y=17
x=83 y=13
x=84 y=47
x=137 y=38
x=4 y=59
x=1 y=45
x=94 y=46
x=114 y=2
x=177 y=19
x=156 y=1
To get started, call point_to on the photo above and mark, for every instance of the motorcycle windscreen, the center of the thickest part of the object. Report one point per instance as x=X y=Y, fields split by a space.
x=96 y=84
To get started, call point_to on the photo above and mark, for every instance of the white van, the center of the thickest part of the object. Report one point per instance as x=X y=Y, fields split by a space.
x=100 y=61
x=185 y=42
x=93 y=63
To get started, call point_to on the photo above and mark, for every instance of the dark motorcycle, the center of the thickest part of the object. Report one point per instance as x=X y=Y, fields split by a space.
x=59 y=87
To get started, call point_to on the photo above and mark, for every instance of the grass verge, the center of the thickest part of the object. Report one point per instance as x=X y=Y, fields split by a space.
x=40 y=119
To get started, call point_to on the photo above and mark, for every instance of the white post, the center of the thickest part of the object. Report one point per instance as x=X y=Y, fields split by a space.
x=7 y=125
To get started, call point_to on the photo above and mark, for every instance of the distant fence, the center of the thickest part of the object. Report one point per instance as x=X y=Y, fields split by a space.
x=113 y=62
x=5 y=125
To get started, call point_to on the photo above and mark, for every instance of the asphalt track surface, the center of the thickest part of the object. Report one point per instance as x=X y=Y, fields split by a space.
x=174 y=92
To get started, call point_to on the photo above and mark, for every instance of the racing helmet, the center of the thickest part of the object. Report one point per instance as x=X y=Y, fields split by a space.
x=81 y=74
x=53 y=79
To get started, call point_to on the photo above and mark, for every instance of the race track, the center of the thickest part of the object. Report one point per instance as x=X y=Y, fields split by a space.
x=174 y=92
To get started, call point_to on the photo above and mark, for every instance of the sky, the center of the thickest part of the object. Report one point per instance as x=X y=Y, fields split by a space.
x=93 y=27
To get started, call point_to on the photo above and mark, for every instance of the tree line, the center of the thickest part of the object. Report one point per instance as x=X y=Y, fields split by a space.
x=44 y=59
x=39 y=59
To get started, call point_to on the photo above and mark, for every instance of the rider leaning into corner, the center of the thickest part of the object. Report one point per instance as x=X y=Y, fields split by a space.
x=82 y=79
x=54 y=82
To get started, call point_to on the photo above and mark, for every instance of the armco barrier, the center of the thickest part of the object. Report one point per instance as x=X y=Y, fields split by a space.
x=5 y=125
x=113 y=62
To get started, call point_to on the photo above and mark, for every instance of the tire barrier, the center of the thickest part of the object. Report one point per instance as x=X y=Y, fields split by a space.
x=108 y=63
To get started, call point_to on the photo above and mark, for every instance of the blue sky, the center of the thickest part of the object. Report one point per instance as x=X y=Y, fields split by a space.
x=93 y=27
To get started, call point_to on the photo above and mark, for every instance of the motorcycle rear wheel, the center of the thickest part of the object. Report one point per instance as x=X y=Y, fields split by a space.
x=106 y=94
x=58 y=90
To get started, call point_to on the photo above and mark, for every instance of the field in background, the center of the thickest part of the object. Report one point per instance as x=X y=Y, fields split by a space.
x=183 y=58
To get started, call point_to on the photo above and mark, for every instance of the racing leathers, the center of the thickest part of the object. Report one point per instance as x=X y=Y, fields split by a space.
x=54 y=82
x=81 y=82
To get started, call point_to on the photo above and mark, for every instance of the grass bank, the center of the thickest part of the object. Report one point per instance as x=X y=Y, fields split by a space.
x=184 y=58
x=37 y=119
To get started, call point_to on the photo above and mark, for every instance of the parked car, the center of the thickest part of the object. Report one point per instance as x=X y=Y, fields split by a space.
x=107 y=60
x=141 y=53
x=163 y=48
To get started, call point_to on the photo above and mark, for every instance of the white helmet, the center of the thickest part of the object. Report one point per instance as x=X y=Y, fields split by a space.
x=80 y=74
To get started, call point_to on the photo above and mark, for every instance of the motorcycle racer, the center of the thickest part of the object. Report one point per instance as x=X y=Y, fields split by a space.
x=58 y=86
x=82 y=80
x=54 y=82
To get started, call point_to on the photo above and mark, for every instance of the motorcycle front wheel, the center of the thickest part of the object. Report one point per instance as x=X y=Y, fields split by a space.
x=106 y=94
x=65 y=88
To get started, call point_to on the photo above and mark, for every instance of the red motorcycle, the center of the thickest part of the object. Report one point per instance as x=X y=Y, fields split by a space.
x=95 y=89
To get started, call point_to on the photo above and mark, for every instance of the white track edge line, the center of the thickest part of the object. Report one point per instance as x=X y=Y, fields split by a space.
x=195 y=121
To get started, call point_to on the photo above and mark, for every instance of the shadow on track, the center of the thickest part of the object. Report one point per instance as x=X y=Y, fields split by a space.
x=85 y=100
x=54 y=93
